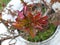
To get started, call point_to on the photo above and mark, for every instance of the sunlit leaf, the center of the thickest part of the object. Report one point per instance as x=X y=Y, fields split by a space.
x=17 y=25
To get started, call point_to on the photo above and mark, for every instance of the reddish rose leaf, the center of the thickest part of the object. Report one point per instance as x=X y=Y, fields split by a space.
x=37 y=16
x=30 y=32
x=20 y=14
x=39 y=27
x=25 y=9
x=44 y=18
x=17 y=25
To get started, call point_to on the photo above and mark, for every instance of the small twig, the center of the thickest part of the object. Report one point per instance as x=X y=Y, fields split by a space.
x=46 y=13
x=8 y=38
x=0 y=42
x=49 y=8
x=45 y=4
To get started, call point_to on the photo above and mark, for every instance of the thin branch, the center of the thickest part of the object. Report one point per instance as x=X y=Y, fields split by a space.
x=0 y=42
x=46 y=13
x=49 y=8
x=45 y=4
x=10 y=37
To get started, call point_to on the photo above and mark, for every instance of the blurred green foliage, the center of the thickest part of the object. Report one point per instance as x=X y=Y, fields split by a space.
x=41 y=36
x=3 y=2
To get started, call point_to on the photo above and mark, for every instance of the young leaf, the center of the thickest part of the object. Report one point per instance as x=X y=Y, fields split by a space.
x=30 y=32
x=20 y=14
